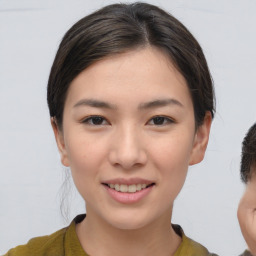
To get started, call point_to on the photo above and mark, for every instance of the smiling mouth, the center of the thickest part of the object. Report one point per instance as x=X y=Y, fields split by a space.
x=128 y=188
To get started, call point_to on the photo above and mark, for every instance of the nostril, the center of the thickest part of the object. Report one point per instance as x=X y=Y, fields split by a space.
x=127 y=159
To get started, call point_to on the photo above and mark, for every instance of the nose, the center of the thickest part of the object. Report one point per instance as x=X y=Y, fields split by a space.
x=127 y=149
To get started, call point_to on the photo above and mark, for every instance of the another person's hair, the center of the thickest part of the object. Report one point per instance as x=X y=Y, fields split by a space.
x=119 y=28
x=248 y=161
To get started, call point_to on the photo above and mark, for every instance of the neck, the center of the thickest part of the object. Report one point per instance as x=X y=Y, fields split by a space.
x=98 y=238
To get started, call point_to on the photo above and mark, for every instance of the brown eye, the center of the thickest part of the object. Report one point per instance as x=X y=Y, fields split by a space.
x=160 y=120
x=95 y=120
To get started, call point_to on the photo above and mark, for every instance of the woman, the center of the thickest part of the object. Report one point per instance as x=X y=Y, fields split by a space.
x=131 y=102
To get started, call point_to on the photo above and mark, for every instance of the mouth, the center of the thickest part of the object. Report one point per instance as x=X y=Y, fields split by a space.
x=132 y=188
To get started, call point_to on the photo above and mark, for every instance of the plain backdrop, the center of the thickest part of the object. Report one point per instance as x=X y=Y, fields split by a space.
x=31 y=175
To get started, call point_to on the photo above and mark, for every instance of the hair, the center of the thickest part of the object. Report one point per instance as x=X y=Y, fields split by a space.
x=119 y=28
x=248 y=160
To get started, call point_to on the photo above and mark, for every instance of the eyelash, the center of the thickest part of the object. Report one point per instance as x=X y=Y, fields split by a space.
x=89 y=120
x=100 y=120
x=166 y=120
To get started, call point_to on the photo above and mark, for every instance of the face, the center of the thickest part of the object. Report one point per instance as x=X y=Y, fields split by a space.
x=129 y=136
x=246 y=212
x=250 y=192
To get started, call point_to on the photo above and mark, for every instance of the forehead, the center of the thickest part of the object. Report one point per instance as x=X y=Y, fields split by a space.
x=137 y=63
x=144 y=72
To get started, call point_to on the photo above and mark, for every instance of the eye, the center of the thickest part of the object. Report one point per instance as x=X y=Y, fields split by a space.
x=95 y=120
x=160 y=120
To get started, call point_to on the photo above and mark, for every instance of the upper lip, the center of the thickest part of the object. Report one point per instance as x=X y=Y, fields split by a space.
x=130 y=181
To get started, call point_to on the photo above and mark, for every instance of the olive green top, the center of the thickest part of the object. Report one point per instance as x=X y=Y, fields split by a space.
x=66 y=243
x=246 y=253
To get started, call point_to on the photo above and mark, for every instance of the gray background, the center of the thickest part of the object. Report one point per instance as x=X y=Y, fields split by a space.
x=31 y=173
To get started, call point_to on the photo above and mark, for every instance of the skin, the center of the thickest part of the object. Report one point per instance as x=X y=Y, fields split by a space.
x=128 y=143
x=247 y=213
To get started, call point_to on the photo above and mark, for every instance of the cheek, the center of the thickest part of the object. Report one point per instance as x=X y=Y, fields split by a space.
x=172 y=161
x=174 y=169
x=173 y=152
x=86 y=158
x=84 y=151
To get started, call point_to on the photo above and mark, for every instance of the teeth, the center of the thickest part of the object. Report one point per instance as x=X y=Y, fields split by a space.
x=123 y=188
x=132 y=188
x=127 y=188
x=138 y=187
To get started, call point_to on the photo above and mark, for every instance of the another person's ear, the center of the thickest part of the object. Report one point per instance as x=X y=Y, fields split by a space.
x=201 y=140
x=60 y=142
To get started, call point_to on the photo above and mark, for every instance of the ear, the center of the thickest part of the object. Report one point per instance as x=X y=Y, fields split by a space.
x=60 y=142
x=201 y=140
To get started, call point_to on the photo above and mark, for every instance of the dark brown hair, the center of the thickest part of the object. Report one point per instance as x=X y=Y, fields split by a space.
x=248 y=161
x=118 y=28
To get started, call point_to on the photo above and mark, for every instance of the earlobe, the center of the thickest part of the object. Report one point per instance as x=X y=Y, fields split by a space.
x=60 y=142
x=201 y=140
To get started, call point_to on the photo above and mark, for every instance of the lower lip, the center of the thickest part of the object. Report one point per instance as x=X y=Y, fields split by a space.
x=128 y=198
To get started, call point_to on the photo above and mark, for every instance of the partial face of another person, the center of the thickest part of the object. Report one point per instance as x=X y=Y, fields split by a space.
x=129 y=136
x=250 y=191
x=247 y=212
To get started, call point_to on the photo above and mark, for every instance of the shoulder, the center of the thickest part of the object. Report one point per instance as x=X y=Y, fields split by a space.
x=60 y=243
x=246 y=253
x=196 y=249
x=45 y=245
x=190 y=247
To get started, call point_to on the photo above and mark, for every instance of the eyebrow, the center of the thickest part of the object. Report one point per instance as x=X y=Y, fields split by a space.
x=160 y=103
x=94 y=103
x=147 y=105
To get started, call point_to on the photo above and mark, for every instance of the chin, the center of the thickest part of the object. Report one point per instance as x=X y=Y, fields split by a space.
x=130 y=220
